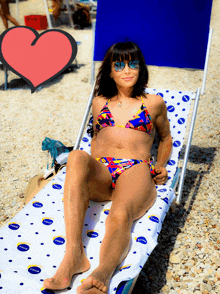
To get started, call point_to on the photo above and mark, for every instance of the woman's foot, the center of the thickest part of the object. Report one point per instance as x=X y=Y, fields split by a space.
x=98 y=283
x=71 y=264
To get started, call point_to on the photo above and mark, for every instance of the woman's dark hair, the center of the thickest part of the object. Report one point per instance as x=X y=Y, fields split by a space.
x=105 y=85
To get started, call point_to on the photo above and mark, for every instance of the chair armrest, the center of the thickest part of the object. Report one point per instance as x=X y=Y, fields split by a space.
x=62 y=158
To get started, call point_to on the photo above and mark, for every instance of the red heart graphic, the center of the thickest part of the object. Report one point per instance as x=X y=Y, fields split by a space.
x=37 y=58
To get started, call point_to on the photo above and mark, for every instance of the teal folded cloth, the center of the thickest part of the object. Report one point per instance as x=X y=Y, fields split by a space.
x=54 y=147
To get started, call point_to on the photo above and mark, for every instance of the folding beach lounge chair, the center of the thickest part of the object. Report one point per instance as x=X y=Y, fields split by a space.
x=32 y=244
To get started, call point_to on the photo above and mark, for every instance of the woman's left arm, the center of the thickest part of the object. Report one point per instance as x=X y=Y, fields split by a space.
x=165 y=143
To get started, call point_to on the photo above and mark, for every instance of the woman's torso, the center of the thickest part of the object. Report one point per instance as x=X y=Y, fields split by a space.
x=118 y=142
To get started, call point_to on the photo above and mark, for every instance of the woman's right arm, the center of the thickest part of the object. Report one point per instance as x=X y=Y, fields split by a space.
x=165 y=144
x=93 y=145
x=95 y=109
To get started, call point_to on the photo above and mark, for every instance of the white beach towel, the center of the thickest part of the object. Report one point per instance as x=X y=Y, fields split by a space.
x=32 y=244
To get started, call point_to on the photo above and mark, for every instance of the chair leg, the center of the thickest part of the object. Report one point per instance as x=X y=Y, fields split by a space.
x=174 y=206
x=77 y=65
x=6 y=78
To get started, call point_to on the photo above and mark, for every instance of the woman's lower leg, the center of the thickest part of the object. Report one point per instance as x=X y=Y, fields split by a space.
x=116 y=243
x=12 y=19
x=5 y=21
x=76 y=200
x=114 y=248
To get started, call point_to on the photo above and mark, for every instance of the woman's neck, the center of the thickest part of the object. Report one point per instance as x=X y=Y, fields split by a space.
x=124 y=93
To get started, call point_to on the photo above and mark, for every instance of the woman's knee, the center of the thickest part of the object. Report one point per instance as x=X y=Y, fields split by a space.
x=78 y=163
x=78 y=159
x=119 y=217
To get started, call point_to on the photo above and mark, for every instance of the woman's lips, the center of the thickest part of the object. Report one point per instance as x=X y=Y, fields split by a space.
x=128 y=79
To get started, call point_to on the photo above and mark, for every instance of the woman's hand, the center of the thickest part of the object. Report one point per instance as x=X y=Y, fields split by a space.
x=162 y=175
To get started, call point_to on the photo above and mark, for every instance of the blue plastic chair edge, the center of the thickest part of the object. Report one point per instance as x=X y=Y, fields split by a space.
x=125 y=287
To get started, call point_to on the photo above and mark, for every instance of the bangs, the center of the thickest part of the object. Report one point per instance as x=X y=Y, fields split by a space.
x=124 y=51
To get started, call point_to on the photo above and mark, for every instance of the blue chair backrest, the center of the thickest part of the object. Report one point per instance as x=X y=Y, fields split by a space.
x=169 y=33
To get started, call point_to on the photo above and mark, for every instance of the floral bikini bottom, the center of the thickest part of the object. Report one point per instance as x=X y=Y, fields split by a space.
x=117 y=166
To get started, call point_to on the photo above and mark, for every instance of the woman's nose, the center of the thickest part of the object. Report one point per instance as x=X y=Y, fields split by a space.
x=127 y=68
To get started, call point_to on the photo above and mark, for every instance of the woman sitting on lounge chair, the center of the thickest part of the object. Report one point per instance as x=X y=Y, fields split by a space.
x=119 y=168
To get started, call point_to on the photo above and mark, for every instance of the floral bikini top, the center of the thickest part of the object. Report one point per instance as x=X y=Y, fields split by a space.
x=141 y=121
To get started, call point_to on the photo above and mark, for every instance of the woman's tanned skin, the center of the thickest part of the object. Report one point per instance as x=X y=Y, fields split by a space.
x=89 y=179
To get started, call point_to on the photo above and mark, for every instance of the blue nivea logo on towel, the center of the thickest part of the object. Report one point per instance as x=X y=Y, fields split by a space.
x=47 y=221
x=34 y=269
x=56 y=186
x=13 y=226
x=92 y=234
x=84 y=139
x=181 y=121
x=165 y=200
x=59 y=240
x=45 y=291
x=171 y=162
x=106 y=211
x=170 y=108
x=23 y=247
x=176 y=143
x=185 y=98
x=37 y=204
x=154 y=218
x=162 y=190
x=141 y=240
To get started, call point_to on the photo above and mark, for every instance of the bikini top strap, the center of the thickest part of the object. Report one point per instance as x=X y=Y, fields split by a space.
x=106 y=104
x=143 y=102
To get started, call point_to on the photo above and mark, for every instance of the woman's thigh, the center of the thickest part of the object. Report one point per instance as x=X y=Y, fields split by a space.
x=135 y=191
x=100 y=182
x=99 y=179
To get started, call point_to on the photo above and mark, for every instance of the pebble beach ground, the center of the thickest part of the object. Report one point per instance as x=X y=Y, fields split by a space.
x=187 y=258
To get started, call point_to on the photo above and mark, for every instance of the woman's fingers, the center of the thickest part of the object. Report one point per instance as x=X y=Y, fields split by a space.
x=159 y=181
x=162 y=175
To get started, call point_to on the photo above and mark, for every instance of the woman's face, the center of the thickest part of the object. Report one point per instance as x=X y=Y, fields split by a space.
x=126 y=73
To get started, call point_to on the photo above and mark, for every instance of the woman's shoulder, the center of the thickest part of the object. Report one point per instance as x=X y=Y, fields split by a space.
x=155 y=104
x=97 y=104
x=99 y=99
x=153 y=99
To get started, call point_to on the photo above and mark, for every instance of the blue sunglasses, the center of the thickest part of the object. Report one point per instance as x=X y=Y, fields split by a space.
x=120 y=65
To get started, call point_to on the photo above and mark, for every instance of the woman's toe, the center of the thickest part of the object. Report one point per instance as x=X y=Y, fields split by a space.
x=87 y=284
x=48 y=283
